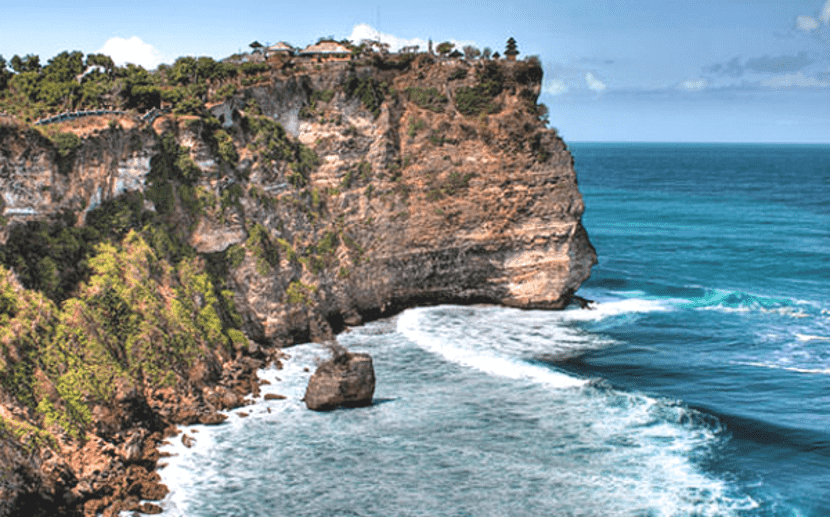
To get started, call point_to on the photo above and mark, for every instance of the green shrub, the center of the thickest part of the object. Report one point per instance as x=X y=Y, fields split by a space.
x=225 y=148
x=474 y=100
x=235 y=255
x=369 y=90
x=300 y=293
x=427 y=98
x=66 y=143
x=458 y=73
x=415 y=125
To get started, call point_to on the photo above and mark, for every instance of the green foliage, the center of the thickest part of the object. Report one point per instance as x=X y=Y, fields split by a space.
x=225 y=92
x=231 y=196
x=237 y=338
x=115 y=217
x=427 y=98
x=5 y=75
x=251 y=69
x=235 y=255
x=458 y=73
x=172 y=163
x=394 y=61
x=322 y=95
x=288 y=249
x=271 y=143
x=310 y=110
x=361 y=172
x=474 y=100
x=28 y=63
x=259 y=243
x=354 y=246
x=139 y=90
x=369 y=90
x=451 y=185
x=66 y=144
x=138 y=319
x=197 y=200
x=471 y=52
x=327 y=244
x=307 y=160
x=188 y=106
x=226 y=149
x=415 y=125
x=300 y=293
x=49 y=258
x=444 y=48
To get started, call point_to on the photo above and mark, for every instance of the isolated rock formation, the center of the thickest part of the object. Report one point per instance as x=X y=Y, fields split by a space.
x=346 y=380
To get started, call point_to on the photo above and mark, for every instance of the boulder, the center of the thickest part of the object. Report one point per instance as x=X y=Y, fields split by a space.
x=345 y=380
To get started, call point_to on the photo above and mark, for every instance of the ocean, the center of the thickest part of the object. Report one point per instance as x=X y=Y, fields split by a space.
x=698 y=385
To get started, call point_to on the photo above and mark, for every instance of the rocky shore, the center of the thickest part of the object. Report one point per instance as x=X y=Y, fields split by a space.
x=328 y=196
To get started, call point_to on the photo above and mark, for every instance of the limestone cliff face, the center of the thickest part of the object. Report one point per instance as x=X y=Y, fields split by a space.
x=446 y=207
x=418 y=203
x=333 y=194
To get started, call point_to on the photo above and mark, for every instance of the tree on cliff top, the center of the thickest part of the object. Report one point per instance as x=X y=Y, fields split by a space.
x=444 y=48
x=5 y=74
x=510 y=50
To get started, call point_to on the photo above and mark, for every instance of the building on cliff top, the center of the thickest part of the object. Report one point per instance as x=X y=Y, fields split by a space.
x=280 y=49
x=329 y=50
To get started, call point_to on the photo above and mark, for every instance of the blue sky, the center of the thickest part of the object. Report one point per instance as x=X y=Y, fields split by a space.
x=615 y=70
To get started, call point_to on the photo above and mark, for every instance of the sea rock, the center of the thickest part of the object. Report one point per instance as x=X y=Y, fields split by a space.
x=346 y=380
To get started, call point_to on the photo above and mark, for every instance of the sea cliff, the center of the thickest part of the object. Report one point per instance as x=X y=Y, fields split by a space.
x=152 y=266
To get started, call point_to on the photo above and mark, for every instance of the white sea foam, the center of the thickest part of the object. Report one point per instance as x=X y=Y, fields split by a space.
x=609 y=309
x=638 y=448
x=185 y=472
x=583 y=446
x=409 y=324
x=778 y=366
x=808 y=337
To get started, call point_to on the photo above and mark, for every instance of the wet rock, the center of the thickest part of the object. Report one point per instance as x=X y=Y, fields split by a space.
x=346 y=380
x=212 y=418
x=149 y=508
x=274 y=396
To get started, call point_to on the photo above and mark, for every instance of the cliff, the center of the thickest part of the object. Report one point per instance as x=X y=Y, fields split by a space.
x=328 y=195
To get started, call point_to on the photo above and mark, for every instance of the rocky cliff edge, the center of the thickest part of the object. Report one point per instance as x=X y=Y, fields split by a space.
x=329 y=195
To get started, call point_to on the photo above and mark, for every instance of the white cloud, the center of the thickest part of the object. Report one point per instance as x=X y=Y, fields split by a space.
x=806 y=23
x=132 y=50
x=594 y=83
x=824 y=17
x=694 y=85
x=555 y=87
x=790 y=80
x=365 y=31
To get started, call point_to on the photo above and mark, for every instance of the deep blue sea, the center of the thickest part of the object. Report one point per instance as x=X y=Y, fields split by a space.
x=699 y=385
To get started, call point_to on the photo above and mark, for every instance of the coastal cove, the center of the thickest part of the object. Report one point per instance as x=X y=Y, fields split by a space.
x=697 y=385
x=151 y=264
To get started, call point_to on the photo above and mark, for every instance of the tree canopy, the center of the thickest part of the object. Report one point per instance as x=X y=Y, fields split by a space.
x=444 y=48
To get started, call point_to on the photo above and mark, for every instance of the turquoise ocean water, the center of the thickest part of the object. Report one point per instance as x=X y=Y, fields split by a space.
x=698 y=386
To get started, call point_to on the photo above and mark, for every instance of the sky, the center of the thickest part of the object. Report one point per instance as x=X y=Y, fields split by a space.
x=615 y=70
